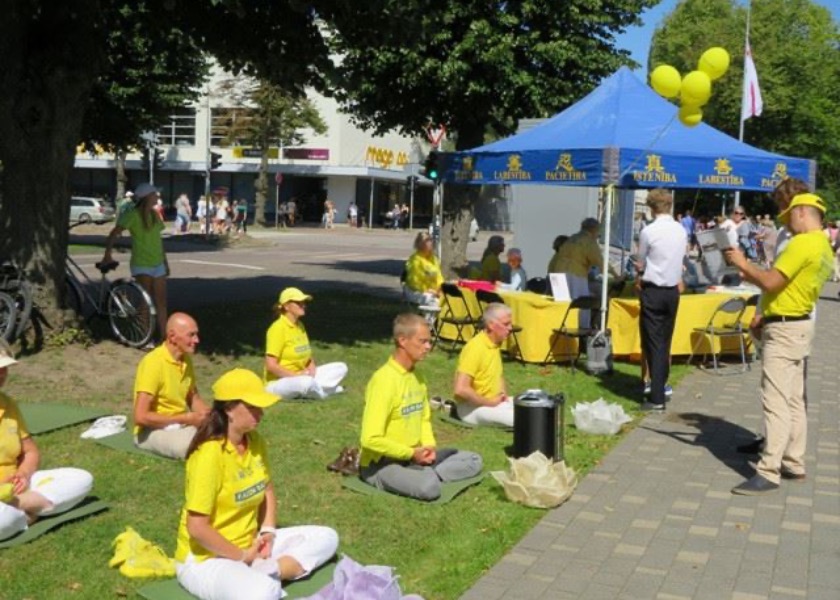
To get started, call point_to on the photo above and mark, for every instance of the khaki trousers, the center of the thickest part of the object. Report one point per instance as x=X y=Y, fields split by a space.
x=785 y=346
x=171 y=443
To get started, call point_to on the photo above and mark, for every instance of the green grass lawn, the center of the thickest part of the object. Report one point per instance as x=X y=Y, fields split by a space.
x=439 y=551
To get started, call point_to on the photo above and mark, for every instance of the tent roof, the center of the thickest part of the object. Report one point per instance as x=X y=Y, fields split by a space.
x=610 y=133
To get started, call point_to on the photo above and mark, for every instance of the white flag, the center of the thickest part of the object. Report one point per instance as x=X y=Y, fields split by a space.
x=751 y=102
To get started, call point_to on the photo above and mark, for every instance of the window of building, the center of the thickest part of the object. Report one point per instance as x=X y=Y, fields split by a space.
x=180 y=131
x=230 y=126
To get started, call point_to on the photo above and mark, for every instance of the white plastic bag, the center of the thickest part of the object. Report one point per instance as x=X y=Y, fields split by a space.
x=536 y=481
x=599 y=417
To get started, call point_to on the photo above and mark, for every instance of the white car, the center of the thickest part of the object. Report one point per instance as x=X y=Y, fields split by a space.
x=90 y=210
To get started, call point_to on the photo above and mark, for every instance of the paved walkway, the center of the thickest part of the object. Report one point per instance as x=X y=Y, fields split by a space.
x=656 y=519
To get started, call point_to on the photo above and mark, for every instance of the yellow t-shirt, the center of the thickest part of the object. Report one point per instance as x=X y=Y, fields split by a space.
x=289 y=344
x=481 y=359
x=423 y=273
x=12 y=432
x=491 y=268
x=807 y=262
x=227 y=487
x=169 y=381
x=397 y=415
x=577 y=255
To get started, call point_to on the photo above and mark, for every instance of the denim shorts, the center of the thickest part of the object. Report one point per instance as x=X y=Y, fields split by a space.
x=158 y=271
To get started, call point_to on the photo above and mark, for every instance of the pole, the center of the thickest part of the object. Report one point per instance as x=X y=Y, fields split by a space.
x=411 y=203
x=151 y=146
x=741 y=113
x=277 y=207
x=608 y=200
x=370 y=204
x=207 y=141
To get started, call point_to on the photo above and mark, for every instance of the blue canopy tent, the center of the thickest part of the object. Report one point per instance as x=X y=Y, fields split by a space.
x=623 y=134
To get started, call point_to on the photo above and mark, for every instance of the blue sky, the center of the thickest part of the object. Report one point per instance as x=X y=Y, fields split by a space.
x=637 y=39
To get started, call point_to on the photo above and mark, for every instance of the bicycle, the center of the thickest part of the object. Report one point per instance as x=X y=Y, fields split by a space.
x=13 y=284
x=127 y=306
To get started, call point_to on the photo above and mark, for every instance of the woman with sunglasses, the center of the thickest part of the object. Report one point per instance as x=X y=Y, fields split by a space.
x=290 y=371
x=229 y=546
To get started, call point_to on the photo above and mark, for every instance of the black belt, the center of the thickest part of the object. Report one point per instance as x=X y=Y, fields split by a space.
x=785 y=319
x=648 y=284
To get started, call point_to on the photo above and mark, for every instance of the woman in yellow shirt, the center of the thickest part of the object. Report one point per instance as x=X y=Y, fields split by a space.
x=25 y=492
x=229 y=546
x=290 y=371
x=423 y=277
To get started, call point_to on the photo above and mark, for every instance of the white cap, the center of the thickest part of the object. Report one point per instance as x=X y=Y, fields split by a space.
x=145 y=189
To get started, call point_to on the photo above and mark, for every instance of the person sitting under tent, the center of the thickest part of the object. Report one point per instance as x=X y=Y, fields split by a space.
x=27 y=493
x=480 y=389
x=491 y=266
x=399 y=453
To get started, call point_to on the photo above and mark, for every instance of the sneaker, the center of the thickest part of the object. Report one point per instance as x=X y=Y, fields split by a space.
x=652 y=407
x=669 y=391
x=339 y=389
x=791 y=476
x=755 y=486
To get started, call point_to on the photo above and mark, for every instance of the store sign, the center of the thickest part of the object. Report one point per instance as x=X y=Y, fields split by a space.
x=307 y=153
x=385 y=158
x=250 y=152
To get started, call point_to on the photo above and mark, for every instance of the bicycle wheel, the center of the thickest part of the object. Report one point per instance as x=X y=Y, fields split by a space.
x=23 y=302
x=8 y=317
x=131 y=313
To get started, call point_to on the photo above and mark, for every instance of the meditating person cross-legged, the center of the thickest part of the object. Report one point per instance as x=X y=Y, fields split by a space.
x=398 y=448
x=27 y=493
x=423 y=277
x=290 y=371
x=229 y=546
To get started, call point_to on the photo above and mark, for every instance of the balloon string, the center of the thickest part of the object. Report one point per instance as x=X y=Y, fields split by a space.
x=650 y=146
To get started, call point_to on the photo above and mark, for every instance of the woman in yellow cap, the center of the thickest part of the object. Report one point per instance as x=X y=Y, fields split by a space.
x=25 y=492
x=290 y=371
x=229 y=546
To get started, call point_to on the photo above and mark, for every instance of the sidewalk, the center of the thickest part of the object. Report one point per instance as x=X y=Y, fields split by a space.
x=656 y=519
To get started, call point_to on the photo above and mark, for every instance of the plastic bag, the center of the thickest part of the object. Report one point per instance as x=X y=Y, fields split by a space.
x=536 y=481
x=599 y=417
x=352 y=581
x=138 y=558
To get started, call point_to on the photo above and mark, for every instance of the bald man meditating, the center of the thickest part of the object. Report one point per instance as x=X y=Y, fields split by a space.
x=167 y=406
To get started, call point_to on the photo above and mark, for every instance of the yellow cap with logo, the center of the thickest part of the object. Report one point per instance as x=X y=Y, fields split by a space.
x=802 y=200
x=293 y=294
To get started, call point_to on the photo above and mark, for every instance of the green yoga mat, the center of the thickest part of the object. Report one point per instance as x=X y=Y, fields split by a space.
x=447 y=493
x=170 y=589
x=124 y=441
x=91 y=506
x=41 y=418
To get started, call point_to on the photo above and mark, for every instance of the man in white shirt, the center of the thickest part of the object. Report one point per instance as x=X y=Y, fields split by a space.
x=662 y=246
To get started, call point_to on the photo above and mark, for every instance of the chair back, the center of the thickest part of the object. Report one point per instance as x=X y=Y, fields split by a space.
x=582 y=303
x=538 y=285
x=486 y=297
x=451 y=293
x=728 y=314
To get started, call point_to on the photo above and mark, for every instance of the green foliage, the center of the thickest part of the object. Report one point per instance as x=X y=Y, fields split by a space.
x=796 y=49
x=471 y=65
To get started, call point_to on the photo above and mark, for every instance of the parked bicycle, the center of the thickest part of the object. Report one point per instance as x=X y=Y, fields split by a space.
x=15 y=301
x=128 y=308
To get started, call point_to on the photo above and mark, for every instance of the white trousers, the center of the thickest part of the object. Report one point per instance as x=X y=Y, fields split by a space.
x=501 y=414
x=224 y=579
x=326 y=380
x=64 y=488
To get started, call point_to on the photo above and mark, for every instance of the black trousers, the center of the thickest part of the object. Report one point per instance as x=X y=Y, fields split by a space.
x=656 y=326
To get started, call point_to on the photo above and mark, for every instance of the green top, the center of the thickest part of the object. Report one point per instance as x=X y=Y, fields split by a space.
x=146 y=243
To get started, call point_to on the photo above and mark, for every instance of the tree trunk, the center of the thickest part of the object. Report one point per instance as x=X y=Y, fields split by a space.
x=46 y=87
x=261 y=188
x=122 y=178
x=458 y=203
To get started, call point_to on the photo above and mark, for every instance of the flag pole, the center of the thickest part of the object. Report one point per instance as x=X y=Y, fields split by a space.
x=741 y=114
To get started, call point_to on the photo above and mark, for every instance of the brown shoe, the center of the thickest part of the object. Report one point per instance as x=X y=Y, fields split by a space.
x=351 y=462
x=791 y=476
x=338 y=464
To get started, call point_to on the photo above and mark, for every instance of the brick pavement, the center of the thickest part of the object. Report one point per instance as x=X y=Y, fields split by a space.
x=656 y=519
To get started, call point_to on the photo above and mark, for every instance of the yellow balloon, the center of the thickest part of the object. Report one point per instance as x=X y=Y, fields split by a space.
x=690 y=115
x=696 y=88
x=665 y=80
x=714 y=62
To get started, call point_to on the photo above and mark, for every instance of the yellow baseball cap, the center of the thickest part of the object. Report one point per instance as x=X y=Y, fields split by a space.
x=293 y=294
x=244 y=385
x=802 y=200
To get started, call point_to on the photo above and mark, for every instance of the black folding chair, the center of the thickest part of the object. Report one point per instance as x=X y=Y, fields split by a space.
x=590 y=303
x=486 y=297
x=725 y=322
x=453 y=297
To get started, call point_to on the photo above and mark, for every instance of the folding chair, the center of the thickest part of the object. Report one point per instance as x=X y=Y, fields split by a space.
x=590 y=303
x=452 y=297
x=486 y=297
x=428 y=311
x=725 y=322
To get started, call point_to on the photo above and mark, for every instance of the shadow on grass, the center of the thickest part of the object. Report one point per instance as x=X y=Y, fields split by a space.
x=717 y=435
x=623 y=385
x=379 y=267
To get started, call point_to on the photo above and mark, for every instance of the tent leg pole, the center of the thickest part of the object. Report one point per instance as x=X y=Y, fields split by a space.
x=605 y=272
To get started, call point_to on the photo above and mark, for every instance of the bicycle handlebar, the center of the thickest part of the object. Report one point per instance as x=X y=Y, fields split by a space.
x=107 y=267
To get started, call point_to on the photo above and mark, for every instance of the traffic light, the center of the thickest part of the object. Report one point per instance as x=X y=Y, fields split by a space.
x=411 y=181
x=215 y=160
x=158 y=155
x=144 y=160
x=431 y=167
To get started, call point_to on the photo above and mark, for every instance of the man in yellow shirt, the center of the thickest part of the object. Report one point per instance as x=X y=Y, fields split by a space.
x=167 y=406
x=399 y=453
x=479 y=383
x=791 y=289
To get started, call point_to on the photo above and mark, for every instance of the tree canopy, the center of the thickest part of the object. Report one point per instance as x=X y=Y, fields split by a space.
x=796 y=49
